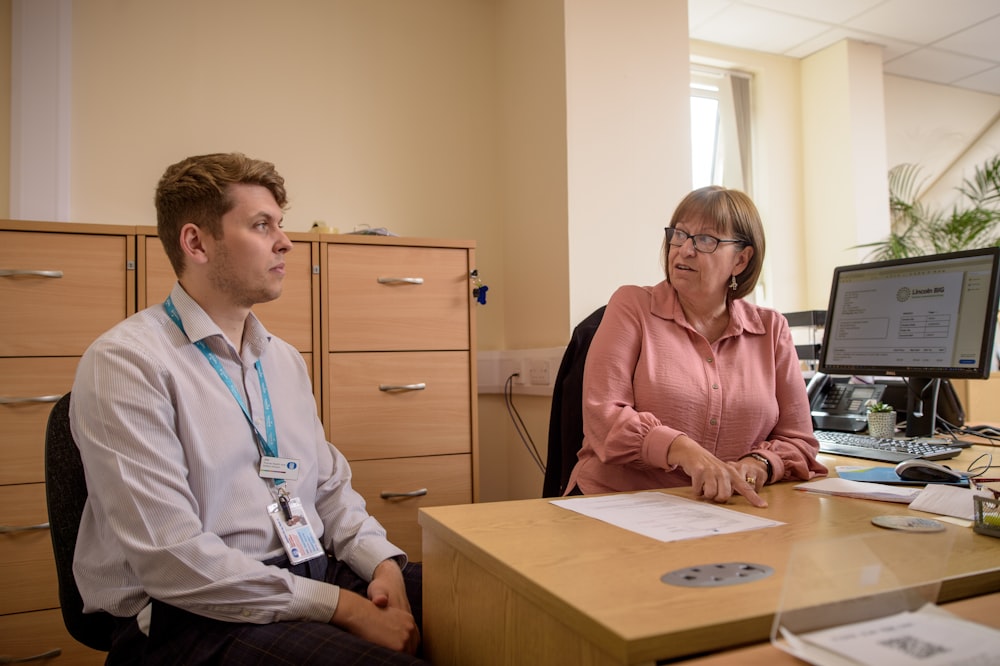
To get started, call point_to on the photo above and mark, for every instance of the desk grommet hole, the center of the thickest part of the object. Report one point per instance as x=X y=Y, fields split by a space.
x=717 y=575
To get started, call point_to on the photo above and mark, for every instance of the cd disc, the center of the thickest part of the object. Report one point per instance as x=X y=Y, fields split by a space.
x=908 y=523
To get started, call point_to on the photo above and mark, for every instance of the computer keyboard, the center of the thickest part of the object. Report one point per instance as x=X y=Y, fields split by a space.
x=856 y=445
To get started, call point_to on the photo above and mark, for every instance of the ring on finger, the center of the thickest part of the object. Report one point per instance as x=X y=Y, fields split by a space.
x=752 y=480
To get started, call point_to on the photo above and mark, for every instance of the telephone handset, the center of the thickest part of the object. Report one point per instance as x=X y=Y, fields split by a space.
x=840 y=405
x=837 y=404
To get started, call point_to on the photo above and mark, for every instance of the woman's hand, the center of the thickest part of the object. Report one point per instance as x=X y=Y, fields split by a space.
x=753 y=470
x=714 y=479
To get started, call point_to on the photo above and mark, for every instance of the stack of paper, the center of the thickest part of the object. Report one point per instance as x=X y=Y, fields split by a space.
x=940 y=499
x=861 y=490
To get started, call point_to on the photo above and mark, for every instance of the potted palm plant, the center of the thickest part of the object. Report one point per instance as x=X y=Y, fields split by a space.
x=918 y=229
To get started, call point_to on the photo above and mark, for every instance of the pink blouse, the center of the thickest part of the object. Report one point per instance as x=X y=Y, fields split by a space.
x=650 y=377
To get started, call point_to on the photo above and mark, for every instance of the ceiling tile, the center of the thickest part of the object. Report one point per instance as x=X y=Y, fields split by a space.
x=938 y=66
x=747 y=27
x=819 y=10
x=988 y=81
x=924 y=21
x=700 y=11
x=891 y=48
x=955 y=42
x=981 y=40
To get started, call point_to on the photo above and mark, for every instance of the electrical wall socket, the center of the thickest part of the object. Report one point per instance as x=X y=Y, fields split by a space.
x=538 y=372
x=535 y=370
x=512 y=366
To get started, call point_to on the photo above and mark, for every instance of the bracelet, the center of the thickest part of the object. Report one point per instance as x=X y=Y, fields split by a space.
x=763 y=459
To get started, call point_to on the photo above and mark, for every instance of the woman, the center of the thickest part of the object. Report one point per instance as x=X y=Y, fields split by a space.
x=688 y=384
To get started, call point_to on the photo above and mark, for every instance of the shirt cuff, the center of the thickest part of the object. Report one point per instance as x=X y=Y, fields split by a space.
x=312 y=600
x=656 y=446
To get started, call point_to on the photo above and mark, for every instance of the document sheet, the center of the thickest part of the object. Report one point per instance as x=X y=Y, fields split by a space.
x=927 y=637
x=664 y=517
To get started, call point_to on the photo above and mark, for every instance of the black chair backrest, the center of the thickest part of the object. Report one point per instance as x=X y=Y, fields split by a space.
x=65 y=495
x=566 y=417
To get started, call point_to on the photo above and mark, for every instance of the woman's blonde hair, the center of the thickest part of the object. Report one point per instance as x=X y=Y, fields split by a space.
x=733 y=215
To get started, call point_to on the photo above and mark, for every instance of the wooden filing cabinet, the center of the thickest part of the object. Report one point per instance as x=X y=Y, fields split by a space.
x=400 y=389
x=60 y=287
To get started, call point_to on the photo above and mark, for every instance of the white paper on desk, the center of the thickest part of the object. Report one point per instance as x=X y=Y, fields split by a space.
x=861 y=490
x=664 y=517
x=927 y=637
x=948 y=501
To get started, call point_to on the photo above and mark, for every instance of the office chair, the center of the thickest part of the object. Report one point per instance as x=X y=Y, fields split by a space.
x=566 y=417
x=65 y=495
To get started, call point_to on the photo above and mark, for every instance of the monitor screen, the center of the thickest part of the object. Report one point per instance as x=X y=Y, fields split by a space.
x=920 y=318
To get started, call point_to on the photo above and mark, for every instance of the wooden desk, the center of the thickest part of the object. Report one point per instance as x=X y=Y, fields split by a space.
x=527 y=582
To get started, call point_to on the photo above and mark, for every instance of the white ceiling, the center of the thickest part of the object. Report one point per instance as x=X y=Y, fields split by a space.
x=953 y=42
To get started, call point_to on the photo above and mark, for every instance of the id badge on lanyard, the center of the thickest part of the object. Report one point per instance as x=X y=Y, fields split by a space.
x=293 y=528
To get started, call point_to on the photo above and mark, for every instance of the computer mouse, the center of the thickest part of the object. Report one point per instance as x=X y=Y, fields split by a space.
x=918 y=469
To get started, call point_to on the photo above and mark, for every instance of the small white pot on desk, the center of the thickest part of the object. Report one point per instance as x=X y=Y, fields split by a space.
x=881 y=423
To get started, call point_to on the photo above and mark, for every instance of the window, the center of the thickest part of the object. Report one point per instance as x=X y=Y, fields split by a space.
x=720 y=137
x=720 y=128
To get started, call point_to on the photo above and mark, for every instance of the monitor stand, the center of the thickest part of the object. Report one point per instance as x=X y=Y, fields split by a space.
x=921 y=406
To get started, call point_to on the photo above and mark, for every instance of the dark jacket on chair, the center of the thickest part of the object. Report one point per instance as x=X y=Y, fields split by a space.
x=566 y=417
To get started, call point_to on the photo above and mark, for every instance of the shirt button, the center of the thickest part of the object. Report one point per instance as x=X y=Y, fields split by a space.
x=709 y=360
x=714 y=421
x=715 y=386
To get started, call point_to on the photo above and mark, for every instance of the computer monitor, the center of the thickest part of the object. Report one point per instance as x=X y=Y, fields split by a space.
x=920 y=318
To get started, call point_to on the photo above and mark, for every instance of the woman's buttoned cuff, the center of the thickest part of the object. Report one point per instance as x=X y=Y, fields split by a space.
x=656 y=446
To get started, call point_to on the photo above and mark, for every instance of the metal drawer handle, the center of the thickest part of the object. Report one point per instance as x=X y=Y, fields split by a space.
x=12 y=529
x=8 y=272
x=413 y=493
x=400 y=280
x=38 y=657
x=402 y=387
x=37 y=398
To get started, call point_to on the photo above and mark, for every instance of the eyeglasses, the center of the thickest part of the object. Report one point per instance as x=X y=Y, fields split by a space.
x=702 y=242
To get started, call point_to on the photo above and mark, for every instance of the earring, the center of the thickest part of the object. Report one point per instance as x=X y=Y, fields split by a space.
x=732 y=282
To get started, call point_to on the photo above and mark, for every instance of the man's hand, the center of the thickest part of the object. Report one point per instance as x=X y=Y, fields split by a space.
x=384 y=618
x=387 y=589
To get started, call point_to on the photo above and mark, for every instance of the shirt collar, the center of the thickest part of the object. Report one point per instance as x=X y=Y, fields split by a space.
x=743 y=317
x=199 y=326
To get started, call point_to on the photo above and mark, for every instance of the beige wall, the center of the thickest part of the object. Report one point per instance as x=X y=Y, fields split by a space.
x=376 y=113
x=551 y=132
x=844 y=154
x=5 y=46
x=595 y=153
x=629 y=147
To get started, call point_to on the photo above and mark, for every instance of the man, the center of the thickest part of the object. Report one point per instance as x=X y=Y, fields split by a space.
x=221 y=527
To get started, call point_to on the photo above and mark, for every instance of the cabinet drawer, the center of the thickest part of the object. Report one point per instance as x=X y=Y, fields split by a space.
x=447 y=479
x=26 y=635
x=27 y=566
x=289 y=317
x=368 y=419
x=372 y=306
x=28 y=389
x=60 y=316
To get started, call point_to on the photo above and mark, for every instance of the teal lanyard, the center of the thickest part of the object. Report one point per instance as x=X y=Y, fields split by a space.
x=268 y=444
